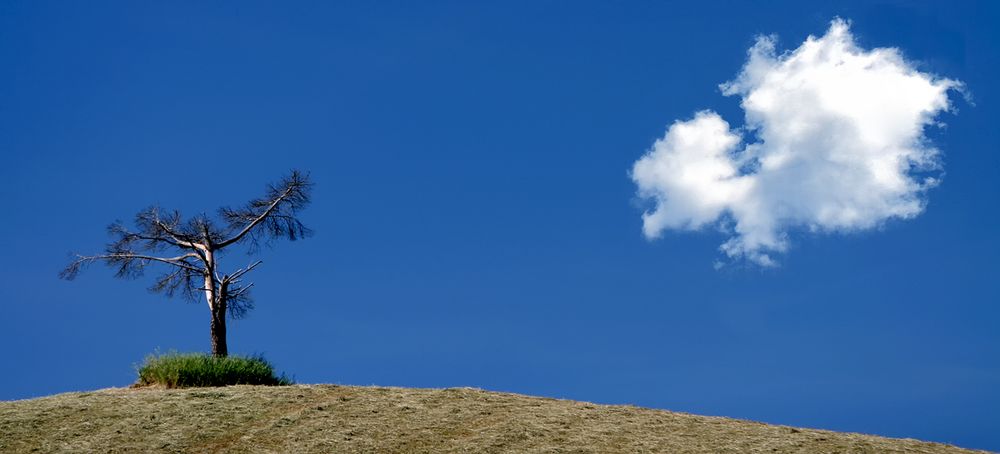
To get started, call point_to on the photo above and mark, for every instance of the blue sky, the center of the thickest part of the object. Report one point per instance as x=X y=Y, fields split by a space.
x=476 y=223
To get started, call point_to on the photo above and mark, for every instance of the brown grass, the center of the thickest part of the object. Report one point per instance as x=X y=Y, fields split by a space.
x=350 y=419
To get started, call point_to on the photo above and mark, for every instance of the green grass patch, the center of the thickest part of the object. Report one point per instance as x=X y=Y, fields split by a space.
x=184 y=370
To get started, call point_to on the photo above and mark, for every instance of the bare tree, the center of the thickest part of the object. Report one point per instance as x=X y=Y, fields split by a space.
x=189 y=250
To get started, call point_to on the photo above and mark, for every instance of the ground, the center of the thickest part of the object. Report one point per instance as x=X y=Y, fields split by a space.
x=351 y=419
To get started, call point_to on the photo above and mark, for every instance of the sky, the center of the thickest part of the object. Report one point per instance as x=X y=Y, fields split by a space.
x=683 y=206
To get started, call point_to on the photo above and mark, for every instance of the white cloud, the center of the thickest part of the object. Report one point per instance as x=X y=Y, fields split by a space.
x=835 y=137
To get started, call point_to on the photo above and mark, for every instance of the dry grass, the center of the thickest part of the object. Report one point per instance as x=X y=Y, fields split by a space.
x=349 y=419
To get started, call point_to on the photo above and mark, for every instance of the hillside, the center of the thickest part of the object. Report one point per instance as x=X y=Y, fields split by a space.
x=329 y=418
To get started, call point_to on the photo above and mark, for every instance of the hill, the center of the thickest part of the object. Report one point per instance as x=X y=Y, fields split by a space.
x=330 y=418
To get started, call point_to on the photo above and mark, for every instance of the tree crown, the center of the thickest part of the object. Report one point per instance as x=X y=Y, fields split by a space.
x=197 y=240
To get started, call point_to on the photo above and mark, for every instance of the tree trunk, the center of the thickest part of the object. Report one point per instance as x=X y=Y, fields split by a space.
x=219 y=347
x=216 y=297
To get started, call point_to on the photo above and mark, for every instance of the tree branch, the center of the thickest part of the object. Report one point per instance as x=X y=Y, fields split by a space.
x=175 y=261
x=177 y=241
x=241 y=290
x=255 y=222
x=151 y=224
x=235 y=276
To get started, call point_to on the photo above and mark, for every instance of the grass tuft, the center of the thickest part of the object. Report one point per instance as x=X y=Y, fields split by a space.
x=184 y=370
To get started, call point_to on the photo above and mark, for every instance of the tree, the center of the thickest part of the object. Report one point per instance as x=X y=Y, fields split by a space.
x=189 y=250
